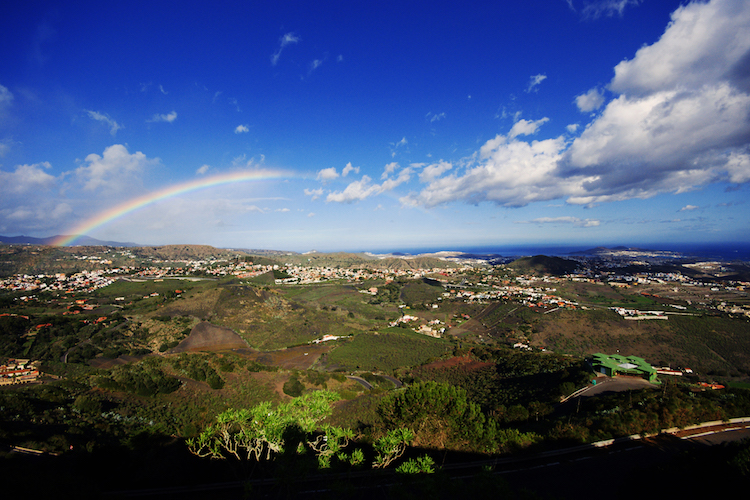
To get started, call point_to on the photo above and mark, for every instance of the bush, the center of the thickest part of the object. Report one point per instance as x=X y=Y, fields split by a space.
x=293 y=387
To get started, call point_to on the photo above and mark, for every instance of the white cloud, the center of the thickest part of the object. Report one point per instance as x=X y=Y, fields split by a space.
x=203 y=169
x=26 y=179
x=589 y=101
x=434 y=117
x=563 y=220
x=162 y=90
x=357 y=190
x=5 y=145
x=100 y=117
x=704 y=44
x=285 y=40
x=241 y=129
x=507 y=171
x=738 y=167
x=608 y=8
x=572 y=127
x=389 y=169
x=315 y=65
x=242 y=161
x=314 y=193
x=282 y=210
x=431 y=172
x=534 y=82
x=688 y=208
x=348 y=168
x=361 y=189
x=396 y=145
x=116 y=169
x=6 y=96
x=169 y=118
x=526 y=127
x=327 y=174
x=679 y=121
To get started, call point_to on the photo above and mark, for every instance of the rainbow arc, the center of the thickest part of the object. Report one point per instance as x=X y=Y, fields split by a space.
x=175 y=190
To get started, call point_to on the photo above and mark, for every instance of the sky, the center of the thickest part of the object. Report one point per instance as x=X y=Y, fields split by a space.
x=369 y=126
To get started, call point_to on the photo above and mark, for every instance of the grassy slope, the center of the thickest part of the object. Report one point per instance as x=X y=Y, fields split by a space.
x=386 y=351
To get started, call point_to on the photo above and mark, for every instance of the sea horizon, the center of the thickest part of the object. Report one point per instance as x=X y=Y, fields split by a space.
x=727 y=251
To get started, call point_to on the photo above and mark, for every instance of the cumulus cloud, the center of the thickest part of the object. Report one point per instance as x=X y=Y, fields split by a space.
x=101 y=117
x=203 y=169
x=431 y=172
x=285 y=40
x=241 y=129
x=363 y=188
x=679 y=121
x=563 y=220
x=526 y=127
x=114 y=170
x=534 y=82
x=589 y=101
x=389 y=169
x=26 y=179
x=572 y=128
x=169 y=118
x=348 y=168
x=506 y=171
x=327 y=174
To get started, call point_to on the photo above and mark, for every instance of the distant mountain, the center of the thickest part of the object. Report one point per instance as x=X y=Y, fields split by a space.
x=80 y=241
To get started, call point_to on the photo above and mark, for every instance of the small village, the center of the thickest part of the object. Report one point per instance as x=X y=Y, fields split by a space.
x=19 y=371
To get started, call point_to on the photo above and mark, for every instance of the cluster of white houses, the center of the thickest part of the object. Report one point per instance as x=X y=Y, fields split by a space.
x=18 y=371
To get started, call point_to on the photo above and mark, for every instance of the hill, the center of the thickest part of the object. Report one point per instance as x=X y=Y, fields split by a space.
x=364 y=260
x=542 y=264
x=186 y=252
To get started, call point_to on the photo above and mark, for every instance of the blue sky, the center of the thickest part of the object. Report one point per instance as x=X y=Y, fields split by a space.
x=394 y=125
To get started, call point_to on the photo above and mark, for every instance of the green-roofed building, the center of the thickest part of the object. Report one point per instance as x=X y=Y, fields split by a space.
x=614 y=364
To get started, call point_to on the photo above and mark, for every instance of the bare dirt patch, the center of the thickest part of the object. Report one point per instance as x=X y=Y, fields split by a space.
x=106 y=363
x=207 y=337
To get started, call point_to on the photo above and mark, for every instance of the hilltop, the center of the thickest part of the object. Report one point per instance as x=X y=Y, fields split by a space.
x=542 y=264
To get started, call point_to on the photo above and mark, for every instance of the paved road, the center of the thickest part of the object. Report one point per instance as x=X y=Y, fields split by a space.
x=367 y=385
x=396 y=382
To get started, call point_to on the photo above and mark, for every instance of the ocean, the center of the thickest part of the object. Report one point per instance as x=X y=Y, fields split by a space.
x=725 y=251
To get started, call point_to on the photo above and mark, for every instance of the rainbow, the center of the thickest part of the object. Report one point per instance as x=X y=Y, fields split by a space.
x=168 y=192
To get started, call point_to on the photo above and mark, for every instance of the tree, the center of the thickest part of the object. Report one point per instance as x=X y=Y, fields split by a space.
x=261 y=432
x=437 y=414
